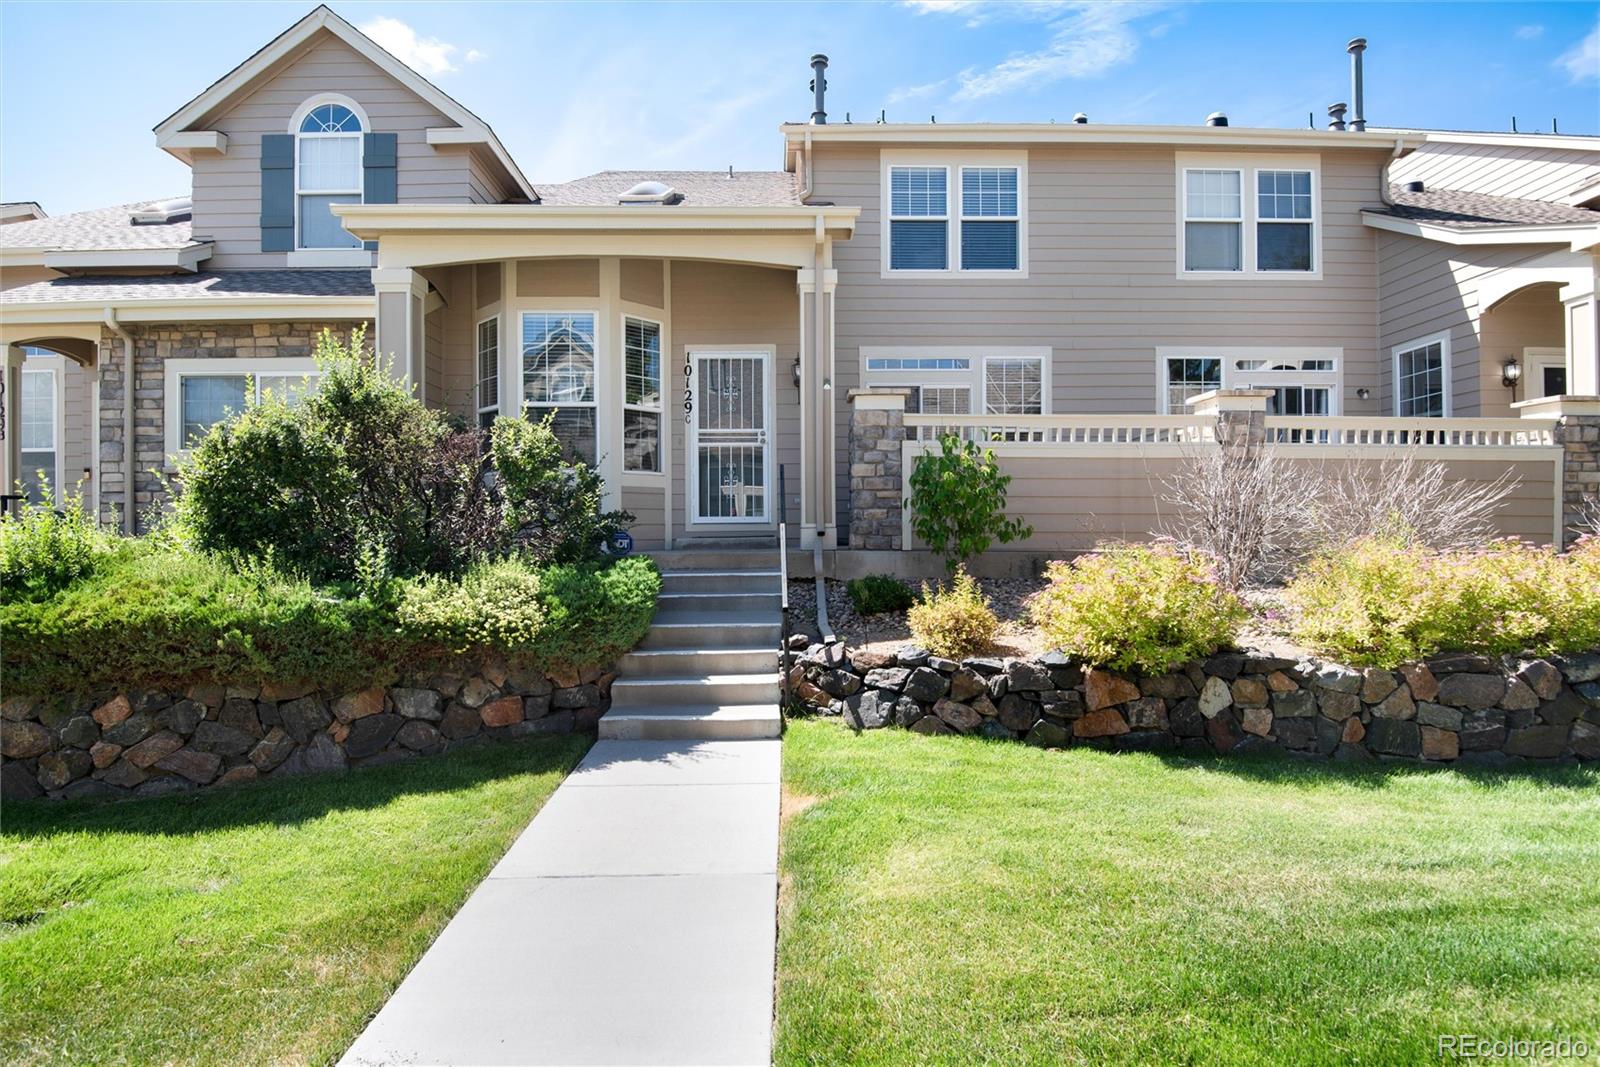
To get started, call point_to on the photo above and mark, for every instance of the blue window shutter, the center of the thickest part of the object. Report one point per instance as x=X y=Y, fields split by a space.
x=989 y=246
x=277 y=192
x=380 y=178
x=918 y=245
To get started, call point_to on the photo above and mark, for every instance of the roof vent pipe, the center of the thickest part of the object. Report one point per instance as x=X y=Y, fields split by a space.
x=1216 y=118
x=1358 y=118
x=1336 y=116
x=1081 y=119
x=1416 y=187
x=819 y=85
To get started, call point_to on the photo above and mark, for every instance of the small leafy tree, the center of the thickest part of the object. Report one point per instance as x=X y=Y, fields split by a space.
x=958 y=501
x=551 y=508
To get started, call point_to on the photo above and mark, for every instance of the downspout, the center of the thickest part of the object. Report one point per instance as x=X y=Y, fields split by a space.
x=804 y=192
x=127 y=419
x=1383 y=184
x=825 y=427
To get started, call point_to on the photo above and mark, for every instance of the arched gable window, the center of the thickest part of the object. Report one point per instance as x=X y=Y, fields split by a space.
x=328 y=148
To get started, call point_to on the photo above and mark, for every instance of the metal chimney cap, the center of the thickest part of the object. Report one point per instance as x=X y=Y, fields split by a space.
x=1357 y=44
x=1216 y=118
x=1081 y=119
x=819 y=58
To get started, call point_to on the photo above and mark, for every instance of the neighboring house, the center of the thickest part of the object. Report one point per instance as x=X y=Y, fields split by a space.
x=698 y=334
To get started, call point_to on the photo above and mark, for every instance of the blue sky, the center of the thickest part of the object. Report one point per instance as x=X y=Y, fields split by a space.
x=573 y=88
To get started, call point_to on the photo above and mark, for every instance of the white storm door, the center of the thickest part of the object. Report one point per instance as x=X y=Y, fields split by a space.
x=730 y=437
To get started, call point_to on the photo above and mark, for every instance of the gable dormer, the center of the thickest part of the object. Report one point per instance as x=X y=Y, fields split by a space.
x=320 y=116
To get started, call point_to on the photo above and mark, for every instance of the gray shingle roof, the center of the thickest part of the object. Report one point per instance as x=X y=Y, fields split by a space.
x=211 y=285
x=97 y=230
x=700 y=188
x=1475 y=211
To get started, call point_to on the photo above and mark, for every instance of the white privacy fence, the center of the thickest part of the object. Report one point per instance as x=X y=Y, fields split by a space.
x=1424 y=435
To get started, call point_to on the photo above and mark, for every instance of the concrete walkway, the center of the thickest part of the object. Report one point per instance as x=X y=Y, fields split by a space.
x=633 y=922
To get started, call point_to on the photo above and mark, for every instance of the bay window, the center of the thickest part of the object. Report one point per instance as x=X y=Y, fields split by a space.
x=641 y=401
x=558 y=376
x=488 y=372
x=38 y=435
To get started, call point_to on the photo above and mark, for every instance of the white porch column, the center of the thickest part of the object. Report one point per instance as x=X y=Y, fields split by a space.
x=1580 y=306
x=818 y=411
x=400 y=292
x=11 y=453
x=608 y=384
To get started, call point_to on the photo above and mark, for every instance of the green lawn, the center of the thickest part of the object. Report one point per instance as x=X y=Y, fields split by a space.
x=947 y=900
x=264 y=924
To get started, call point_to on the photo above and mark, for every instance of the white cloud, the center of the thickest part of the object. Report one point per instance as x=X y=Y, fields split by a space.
x=916 y=92
x=1086 y=39
x=1530 y=33
x=1582 y=60
x=426 y=55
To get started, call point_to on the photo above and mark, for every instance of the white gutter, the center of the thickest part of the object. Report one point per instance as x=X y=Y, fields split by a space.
x=128 y=379
x=1383 y=177
x=805 y=179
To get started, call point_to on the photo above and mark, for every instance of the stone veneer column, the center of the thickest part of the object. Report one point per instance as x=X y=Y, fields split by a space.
x=1578 y=433
x=877 y=431
x=1241 y=415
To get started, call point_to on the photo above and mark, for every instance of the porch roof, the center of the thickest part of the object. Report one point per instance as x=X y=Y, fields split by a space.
x=212 y=295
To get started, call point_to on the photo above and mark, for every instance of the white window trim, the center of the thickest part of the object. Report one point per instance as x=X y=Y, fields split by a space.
x=525 y=307
x=328 y=257
x=178 y=369
x=1249 y=166
x=953 y=163
x=973 y=378
x=659 y=409
x=1233 y=378
x=51 y=364
x=498 y=406
x=1445 y=360
x=1536 y=359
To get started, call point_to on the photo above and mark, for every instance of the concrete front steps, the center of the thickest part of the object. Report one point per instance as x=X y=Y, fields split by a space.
x=708 y=669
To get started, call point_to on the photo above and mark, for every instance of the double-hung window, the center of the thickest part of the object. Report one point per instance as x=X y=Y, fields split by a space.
x=989 y=218
x=1249 y=221
x=641 y=400
x=488 y=371
x=38 y=434
x=919 y=218
x=558 y=376
x=327 y=172
x=1422 y=379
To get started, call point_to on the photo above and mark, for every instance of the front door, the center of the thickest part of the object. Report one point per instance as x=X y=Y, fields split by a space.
x=730 y=438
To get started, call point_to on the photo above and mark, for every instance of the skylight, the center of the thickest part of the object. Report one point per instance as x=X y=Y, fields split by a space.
x=163 y=211
x=650 y=193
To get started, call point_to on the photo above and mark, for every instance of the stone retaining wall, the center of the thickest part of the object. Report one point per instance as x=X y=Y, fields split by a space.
x=145 y=743
x=1459 y=708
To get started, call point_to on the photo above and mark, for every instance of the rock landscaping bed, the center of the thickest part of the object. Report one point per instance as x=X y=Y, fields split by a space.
x=1452 y=708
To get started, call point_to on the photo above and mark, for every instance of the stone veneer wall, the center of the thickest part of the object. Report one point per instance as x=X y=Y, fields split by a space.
x=876 y=459
x=1579 y=436
x=1458 y=708
x=144 y=743
x=153 y=346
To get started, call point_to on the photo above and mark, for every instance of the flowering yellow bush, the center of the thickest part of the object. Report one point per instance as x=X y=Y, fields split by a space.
x=1384 y=602
x=953 y=622
x=1136 y=608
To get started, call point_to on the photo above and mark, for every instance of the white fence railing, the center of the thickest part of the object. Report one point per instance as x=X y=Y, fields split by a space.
x=1071 y=431
x=1423 y=434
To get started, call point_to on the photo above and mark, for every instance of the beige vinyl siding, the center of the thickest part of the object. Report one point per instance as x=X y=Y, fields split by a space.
x=1073 y=505
x=644 y=282
x=647 y=506
x=486 y=279
x=725 y=304
x=577 y=278
x=483 y=185
x=227 y=188
x=1102 y=289
x=78 y=429
x=1430 y=288
x=1523 y=171
x=433 y=392
x=11 y=277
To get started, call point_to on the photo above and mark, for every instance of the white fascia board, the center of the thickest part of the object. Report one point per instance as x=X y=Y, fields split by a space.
x=187 y=259
x=994 y=134
x=1578 y=235
x=1573 y=142
x=185 y=143
x=23 y=257
x=371 y=221
x=192 y=310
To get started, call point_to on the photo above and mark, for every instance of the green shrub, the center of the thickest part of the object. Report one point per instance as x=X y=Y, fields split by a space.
x=878 y=593
x=550 y=507
x=494 y=605
x=1136 y=608
x=594 y=614
x=958 y=501
x=170 y=619
x=954 y=622
x=1383 y=602
x=43 y=552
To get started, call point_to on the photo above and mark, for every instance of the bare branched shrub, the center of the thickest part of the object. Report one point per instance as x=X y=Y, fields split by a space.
x=1589 y=516
x=1408 y=498
x=1258 y=513
x=1244 y=509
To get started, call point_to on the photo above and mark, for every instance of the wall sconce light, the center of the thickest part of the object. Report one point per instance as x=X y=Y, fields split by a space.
x=796 y=370
x=1363 y=393
x=1510 y=372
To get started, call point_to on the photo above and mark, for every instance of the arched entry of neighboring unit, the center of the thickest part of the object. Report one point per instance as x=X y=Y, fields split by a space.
x=1525 y=329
